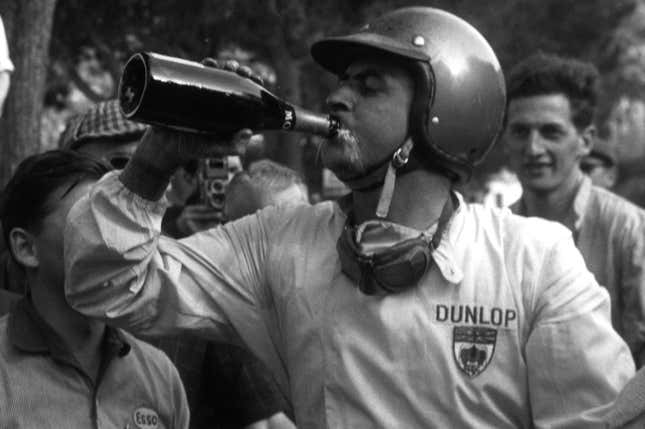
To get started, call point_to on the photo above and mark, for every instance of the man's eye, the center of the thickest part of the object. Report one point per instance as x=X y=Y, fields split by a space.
x=371 y=83
x=520 y=131
x=551 y=132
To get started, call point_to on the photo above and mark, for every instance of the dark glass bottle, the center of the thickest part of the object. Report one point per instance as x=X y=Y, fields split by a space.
x=186 y=95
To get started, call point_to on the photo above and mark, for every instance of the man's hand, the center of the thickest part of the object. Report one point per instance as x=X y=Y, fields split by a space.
x=169 y=149
x=161 y=151
x=235 y=67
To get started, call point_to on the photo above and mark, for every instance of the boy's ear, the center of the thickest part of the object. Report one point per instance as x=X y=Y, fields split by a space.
x=23 y=247
x=588 y=137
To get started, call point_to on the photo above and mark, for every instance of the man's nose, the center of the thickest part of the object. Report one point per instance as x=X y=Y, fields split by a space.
x=535 y=144
x=341 y=100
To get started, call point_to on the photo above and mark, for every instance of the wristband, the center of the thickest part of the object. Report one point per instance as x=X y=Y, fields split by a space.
x=145 y=179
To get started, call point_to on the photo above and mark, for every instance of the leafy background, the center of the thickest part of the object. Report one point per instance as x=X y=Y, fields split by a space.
x=69 y=53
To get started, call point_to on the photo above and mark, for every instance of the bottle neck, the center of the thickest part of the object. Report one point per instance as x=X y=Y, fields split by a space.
x=313 y=123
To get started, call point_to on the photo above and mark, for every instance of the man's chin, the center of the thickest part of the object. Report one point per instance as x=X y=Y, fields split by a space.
x=342 y=156
x=539 y=186
x=335 y=159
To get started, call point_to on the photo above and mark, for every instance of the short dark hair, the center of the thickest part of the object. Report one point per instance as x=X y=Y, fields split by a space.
x=262 y=178
x=272 y=177
x=24 y=201
x=544 y=74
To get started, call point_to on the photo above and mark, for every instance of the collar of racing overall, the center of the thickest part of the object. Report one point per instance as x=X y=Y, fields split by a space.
x=384 y=175
x=384 y=257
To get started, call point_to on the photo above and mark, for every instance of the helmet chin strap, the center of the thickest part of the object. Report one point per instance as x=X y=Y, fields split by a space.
x=371 y=179
x=399 y=159
x=384 y=175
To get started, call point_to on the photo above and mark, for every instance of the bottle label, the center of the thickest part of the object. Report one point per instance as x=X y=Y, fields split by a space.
x=289 y=118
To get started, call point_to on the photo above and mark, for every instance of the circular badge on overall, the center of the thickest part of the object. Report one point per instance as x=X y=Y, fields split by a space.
x=145 y=418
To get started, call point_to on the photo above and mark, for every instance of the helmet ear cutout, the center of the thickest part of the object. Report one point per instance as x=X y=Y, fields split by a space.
x=425 y=152
x=424 y=85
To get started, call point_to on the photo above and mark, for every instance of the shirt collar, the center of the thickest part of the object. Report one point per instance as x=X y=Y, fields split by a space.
x=579 y=206
x=444 y=254
x=29 y=333
x=581 y=201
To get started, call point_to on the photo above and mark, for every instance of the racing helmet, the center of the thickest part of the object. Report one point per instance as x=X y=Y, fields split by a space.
x=460 y=93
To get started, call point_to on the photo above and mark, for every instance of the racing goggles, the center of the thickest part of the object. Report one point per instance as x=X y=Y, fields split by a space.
x=385 y=258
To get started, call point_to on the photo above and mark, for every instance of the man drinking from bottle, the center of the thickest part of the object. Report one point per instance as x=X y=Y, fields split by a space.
x=399 y=306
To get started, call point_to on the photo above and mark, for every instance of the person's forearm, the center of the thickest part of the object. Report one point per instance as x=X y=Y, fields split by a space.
x=144 y=178
x=119 y=268
x=160 y=152
x=150 y=168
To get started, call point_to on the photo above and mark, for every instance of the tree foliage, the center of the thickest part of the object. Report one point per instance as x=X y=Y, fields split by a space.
x=278 y=30
x=91 y=40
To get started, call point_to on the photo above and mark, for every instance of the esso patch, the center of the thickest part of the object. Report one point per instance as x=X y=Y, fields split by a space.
x=145 y=418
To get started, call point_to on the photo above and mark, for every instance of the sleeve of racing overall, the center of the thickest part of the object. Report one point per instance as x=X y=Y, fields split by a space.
x=576 y=362
x=121 y=269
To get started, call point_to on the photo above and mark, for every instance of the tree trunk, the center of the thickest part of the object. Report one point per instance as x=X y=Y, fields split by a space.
x=29 y=25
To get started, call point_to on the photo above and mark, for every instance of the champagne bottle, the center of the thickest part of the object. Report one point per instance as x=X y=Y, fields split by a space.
x=185 y=95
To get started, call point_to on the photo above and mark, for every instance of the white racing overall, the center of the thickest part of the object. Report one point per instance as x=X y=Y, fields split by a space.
x=508 y=330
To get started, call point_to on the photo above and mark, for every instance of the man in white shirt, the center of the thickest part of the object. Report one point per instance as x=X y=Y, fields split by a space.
x=549 y=130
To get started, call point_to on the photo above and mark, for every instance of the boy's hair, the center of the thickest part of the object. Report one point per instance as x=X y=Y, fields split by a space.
x=548 y=74
x=24 y=203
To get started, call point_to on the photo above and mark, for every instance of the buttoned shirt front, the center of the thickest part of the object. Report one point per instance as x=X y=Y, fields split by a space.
x=509 y=330
x=610 y=234
x=43 y=386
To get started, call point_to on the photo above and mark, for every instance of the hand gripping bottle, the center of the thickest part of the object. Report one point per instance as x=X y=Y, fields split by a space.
x=185 y=95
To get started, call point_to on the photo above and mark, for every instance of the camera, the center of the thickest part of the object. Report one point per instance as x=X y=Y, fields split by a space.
x=214 y=174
